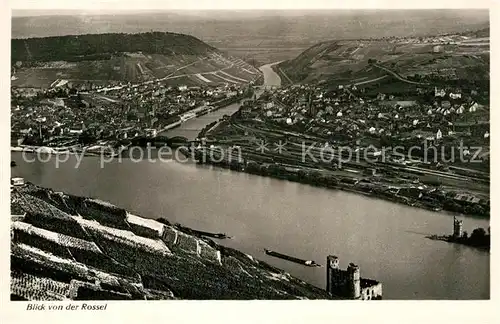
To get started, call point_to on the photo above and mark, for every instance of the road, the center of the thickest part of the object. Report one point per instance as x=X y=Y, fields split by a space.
x=370 y=81
x=397 y=76
x=286 y=76
x=271 y=79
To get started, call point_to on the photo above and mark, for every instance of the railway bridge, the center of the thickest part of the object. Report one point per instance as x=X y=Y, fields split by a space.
x=266 y=87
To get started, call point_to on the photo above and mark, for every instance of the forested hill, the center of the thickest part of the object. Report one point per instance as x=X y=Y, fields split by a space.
x=102 y=46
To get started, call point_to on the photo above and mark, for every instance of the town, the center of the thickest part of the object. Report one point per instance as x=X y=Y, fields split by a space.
x=64 y=117
x=424 y=146
x=228 y=155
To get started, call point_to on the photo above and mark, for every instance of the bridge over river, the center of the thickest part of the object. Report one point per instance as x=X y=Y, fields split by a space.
x=191 y=128
x=266 y=87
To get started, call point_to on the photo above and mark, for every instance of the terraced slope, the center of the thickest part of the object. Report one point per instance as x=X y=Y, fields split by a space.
x=174 y=58
x=68 y=247
x=350 y=61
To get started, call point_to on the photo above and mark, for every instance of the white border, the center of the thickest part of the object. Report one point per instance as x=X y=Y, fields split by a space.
x=255 y=311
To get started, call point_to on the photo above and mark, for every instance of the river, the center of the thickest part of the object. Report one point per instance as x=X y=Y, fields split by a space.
x=271 y=78
x=387 y=240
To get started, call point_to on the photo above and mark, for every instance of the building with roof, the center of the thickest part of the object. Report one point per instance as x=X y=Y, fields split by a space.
x=17 y=181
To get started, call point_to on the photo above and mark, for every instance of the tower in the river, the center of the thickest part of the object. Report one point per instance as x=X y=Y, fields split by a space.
x=457 y=227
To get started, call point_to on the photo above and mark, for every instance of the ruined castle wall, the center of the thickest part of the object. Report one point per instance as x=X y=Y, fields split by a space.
x=145 y=227
x=372 y=292
x=339 y=280
x=208 y=252
x=169 y=236
x=187 y=242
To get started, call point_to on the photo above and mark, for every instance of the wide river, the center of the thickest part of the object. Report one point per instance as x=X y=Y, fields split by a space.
x=385 y=239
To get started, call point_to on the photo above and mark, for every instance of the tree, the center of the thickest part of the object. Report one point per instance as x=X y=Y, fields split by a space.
x=453 y=206
x=302 y=174
x=87 y=137
x=385 y=141
x=477 y=210
x=478 y=235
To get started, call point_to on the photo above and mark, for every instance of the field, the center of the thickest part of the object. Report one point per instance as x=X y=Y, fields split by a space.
x=261 y=56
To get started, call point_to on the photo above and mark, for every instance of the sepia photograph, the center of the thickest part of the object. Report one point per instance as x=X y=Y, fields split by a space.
x=249 y=154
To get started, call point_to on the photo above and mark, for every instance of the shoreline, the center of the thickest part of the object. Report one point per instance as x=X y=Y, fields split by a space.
x=400 y=200
x=451 y=239
x=293 y=177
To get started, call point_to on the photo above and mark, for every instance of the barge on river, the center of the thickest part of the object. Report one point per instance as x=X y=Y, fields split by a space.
x=203 y=233
x=307 y=263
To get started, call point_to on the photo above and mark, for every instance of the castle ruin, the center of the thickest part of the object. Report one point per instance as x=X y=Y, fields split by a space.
x=348 y=283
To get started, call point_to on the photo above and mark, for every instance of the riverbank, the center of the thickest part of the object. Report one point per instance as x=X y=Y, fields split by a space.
x=285 y=80
x=482 y=245
x=425 y=198
x=89 y=150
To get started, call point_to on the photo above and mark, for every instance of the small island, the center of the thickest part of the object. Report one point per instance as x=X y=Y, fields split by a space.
x=479 y=238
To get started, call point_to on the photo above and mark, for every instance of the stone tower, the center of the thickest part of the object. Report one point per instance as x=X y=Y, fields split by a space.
x=354 y=281
x=457 y=227
x=332 y=266
x=333 y=261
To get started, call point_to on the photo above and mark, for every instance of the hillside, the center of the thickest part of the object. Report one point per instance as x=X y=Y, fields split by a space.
x=100 y=58
x=68 y=247
x=259 y=36
x=462 y=57
x=89 y=47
